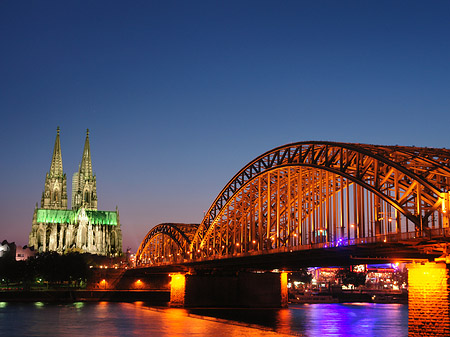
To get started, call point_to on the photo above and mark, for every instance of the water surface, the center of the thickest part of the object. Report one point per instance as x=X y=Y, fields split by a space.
x=137 y=319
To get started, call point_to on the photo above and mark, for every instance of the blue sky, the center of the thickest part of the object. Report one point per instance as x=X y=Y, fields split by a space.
x=180 y=95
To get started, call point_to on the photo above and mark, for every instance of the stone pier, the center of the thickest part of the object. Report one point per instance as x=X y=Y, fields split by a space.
x=428 y=299
x=244 y=289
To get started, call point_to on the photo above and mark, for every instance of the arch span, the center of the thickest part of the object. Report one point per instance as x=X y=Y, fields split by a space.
x=166 y=239
x=306 y=194
x=310 y=192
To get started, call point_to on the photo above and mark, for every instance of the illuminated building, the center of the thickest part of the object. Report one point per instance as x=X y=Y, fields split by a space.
x=82 y=228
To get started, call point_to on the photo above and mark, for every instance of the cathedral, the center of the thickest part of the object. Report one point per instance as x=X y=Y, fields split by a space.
x=82 y=228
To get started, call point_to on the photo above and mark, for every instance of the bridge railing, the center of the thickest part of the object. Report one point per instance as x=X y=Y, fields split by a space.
x=426 y=234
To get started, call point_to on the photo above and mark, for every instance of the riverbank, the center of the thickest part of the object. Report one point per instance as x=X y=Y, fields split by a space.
x=162 y=297
x=364 y=296
x=150 y=296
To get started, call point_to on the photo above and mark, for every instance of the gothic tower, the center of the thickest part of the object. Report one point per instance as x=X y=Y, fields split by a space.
x=81 y=229
x=84 y=183
x=55 y=190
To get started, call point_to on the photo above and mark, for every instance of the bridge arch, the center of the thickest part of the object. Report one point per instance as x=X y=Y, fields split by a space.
x=165 y=242
x=309 y=192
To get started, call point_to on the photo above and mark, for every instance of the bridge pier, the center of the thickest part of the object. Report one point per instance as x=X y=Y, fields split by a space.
x=428 y=300
x=244 y=289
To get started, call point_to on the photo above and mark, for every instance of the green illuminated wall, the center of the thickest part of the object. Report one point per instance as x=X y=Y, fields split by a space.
x=65 y=216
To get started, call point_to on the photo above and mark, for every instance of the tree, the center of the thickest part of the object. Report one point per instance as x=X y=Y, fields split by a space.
x=301 y=275
x=349 y=277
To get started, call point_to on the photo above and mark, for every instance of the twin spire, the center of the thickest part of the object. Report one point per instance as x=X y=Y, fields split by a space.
x=84 y=189
x=56 y=167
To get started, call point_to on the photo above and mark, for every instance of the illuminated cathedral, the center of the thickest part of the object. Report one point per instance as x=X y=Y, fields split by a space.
x=82 y=228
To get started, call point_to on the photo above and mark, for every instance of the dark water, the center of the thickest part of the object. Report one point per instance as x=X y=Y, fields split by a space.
x=137 y=319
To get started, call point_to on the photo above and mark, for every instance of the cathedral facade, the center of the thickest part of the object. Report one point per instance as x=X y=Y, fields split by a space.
x=82 y=228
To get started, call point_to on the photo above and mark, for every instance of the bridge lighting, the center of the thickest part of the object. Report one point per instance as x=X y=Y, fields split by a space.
x=138 y=284
x=237 y=244
x=395 y=265
x=390 y=219
x=445 y=202
x=253 y=241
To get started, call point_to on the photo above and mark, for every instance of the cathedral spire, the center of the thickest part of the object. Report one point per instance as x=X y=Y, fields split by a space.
x=56 y=168
x=55 y=189
x=86 y=163
x=84 y=185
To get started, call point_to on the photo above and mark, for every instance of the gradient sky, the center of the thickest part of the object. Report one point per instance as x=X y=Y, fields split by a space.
x=180 y=95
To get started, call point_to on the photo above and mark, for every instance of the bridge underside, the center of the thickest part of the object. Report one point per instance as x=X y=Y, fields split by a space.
x=287 y=260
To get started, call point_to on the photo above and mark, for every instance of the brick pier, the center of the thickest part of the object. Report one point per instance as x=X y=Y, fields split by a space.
x=428 y=299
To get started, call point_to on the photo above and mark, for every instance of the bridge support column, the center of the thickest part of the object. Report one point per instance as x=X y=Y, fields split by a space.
x=177 y=290
x=258 y=290
x=428 y=299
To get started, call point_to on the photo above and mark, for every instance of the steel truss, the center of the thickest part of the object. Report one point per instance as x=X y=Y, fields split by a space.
x=324 y=192
x=166 y=242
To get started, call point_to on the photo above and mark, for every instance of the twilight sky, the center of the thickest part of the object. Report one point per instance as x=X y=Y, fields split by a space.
x=180 y=95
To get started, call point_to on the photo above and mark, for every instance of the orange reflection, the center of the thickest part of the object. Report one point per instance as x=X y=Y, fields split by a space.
x=284 y=289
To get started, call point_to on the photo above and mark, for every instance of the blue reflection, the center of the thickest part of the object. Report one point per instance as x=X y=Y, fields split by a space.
x=356 y=319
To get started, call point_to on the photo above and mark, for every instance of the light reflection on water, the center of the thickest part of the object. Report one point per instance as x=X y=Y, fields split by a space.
x=137 y=319
x=362 y=319
x=355 y=319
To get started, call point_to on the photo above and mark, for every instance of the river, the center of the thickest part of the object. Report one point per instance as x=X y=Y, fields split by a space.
x=137 y=319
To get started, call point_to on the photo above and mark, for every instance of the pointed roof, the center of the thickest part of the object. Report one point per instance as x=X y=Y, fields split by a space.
x=56 y=168
x=86 y=163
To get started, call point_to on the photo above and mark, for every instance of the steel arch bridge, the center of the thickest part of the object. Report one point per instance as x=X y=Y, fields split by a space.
x=166 y=242
x=315 y=194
